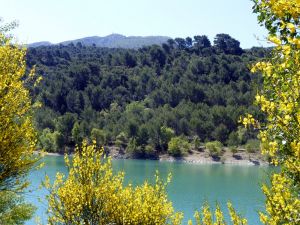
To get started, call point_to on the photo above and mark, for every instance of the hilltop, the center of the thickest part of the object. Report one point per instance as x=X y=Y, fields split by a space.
x=111 y=41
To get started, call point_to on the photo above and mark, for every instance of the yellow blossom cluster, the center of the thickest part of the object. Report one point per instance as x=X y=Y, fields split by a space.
x=280 y=101
x=17 y=135
x=205 y=217
x=280 y=7
x=279 y=15
x=248 y=120
x=93 y=194
x=281 y=204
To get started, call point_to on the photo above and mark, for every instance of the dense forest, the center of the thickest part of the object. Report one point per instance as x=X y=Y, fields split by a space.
x=186 y=89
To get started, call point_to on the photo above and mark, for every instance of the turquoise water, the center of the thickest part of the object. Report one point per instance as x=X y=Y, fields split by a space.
x=191 y=184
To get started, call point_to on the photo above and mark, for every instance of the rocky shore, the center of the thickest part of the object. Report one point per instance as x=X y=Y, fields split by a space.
x=203 y=157
x=198 y=157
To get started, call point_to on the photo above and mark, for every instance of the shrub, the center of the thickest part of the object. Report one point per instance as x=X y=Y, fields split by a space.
x=92 y=193
x=233 y=149
x=99 y=136
x=178 y=146
x=214 y=148
x=59 y=141
x=121 y=140
x=196 y=142
x=133 y=149
x=149 y=151
x=252 y=145
x=166 y=134
x=46 y=141
x=233 y=139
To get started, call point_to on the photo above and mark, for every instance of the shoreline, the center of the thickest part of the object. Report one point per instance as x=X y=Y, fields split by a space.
x=204 y=161
x=241 y=158
x=194 y=157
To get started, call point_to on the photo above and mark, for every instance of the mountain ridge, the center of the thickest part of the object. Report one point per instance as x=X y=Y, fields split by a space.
x=111 y=41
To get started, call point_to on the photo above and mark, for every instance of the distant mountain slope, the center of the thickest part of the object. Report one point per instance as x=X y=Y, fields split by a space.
x=113 y=41
x=41 y=43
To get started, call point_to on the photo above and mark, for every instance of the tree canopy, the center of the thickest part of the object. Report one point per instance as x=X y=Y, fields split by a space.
x=186 y=85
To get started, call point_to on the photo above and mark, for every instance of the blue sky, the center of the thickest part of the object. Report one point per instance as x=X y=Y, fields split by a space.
x=60 y=20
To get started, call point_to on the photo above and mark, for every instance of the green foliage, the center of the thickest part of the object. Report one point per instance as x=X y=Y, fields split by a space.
x=196 y=142
x=76 y=134
x=214 y=148
x=59 y=141
x=47 y=141
x=13 y=210
x=227 y=44
x=121 y=140
x=178 y=146
x=132 y=148
x=192 y=88
x=252 y=145
x=242 y=135
x=99 y=136
x=150 y=151
x=233 y=149
x=165 y=135
x=233 y=139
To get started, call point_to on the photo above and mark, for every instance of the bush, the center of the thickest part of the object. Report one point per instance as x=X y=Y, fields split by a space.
x=92 y=193
x=133 y=149
x=149 y=151
x=233 y=139
x=59 y=141
x=166 y=134
x=178 y=146
x=51 y=141
x=252 y=145
x=121 y=140
x=233 y=149
x=214 y=148
x=46 y=141
x=99 y=136
x=197 y=142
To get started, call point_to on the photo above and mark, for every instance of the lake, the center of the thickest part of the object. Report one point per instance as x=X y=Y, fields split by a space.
x=191 y=186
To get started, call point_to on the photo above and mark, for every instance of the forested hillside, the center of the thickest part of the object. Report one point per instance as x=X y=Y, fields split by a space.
x=139 y=99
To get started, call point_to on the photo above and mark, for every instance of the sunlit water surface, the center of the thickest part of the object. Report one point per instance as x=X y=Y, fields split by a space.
x=191 y=186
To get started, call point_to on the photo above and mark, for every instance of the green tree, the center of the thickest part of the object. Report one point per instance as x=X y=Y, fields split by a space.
x=121 y=140
x=201 y=41
x=227 y=44
x=197 y=142
x=59 y=141
x=46 y=141
x=166 y=134
x=76 y=134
